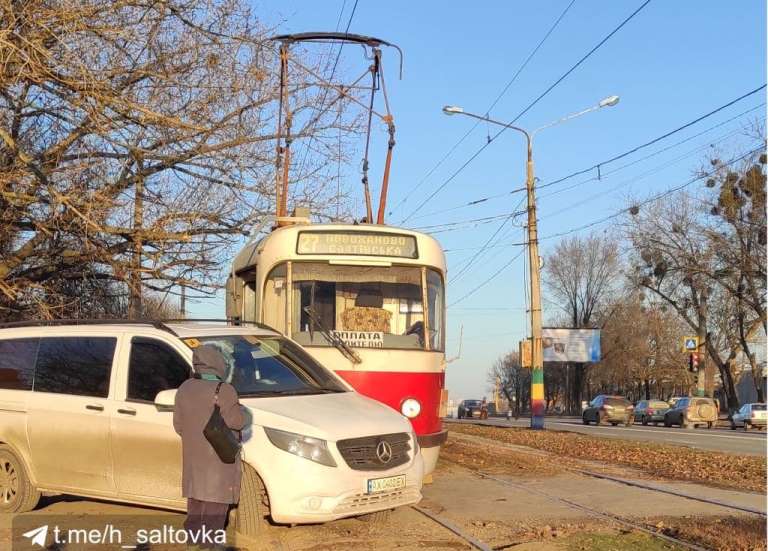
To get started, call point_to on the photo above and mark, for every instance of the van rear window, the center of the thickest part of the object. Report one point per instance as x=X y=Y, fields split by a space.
x=75 y=365
x=758 y=407
x=17 y=363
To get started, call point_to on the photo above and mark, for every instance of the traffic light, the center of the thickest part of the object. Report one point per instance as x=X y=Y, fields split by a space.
x=693 y=362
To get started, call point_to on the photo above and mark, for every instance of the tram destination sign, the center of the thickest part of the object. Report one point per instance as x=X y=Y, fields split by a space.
x=357 y=243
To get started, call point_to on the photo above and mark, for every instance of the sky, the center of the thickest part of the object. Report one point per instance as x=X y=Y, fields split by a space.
x=670 y=64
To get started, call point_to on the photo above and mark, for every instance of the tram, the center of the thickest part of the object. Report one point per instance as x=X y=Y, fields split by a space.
x=367 y=301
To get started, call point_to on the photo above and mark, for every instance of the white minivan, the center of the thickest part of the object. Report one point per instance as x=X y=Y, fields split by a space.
x=86 y=409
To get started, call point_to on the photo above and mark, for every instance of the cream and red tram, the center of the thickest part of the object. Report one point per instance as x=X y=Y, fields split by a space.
x=367 y=301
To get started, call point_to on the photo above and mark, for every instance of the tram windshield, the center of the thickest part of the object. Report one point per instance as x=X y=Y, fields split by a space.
x=366 y=307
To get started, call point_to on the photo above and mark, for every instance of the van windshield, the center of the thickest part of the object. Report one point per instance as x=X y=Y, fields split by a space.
x=271 y=366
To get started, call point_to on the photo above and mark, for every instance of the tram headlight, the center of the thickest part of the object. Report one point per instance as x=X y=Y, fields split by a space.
x=307 y=447
x=410 y=408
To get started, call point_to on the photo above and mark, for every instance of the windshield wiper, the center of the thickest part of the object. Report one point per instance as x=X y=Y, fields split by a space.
x=335 y=340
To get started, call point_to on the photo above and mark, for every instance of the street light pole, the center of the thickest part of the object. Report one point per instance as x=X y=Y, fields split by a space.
x=537 y=350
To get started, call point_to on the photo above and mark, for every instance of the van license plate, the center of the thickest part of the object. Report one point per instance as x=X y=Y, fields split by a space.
x=386 y=484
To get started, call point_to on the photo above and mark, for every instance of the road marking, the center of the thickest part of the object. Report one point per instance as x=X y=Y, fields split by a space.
x=659 y=432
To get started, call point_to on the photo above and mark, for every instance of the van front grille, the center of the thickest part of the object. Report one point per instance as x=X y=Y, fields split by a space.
x=376 y=453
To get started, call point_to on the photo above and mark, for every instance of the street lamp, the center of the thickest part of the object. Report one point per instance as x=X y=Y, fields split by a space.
x=537 y=352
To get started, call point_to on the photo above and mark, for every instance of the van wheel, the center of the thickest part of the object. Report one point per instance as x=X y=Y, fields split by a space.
x=250 y=513
x=644 y=420
x=17 y=495
x=584 y=420
x=379 y=517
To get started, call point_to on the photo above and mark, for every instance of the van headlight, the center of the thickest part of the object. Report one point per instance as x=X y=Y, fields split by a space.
x=410 y=408
x=307 y=447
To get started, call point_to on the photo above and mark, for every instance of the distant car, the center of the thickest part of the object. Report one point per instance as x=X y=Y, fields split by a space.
x=691 y=412
x=610 y=409
x=651 y=411
x=750 y=415
x=674 y=400
x=469 y=409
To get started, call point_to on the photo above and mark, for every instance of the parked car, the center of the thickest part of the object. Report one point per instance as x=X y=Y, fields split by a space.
x=470 y=409
x=674 y=400
x=87 y=410
x=608 y=409
x=692 y=412
x=651 y=411
x=750 y=415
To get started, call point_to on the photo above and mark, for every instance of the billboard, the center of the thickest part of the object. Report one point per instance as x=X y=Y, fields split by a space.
x=571 y=345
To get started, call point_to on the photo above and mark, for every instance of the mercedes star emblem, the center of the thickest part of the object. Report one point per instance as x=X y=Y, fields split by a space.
x=384 y=452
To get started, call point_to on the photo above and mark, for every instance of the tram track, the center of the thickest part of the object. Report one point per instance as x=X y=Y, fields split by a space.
x=619 y=521
x=611 y=518
x=634 y=483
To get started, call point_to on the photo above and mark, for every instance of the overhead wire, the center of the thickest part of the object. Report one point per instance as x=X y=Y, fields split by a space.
x=611 y=216
x=333 y=72
x=632 y=180
x=607 y=161
x=493 y=104
x=655 y=140
x=654 y=197
x=528 y=108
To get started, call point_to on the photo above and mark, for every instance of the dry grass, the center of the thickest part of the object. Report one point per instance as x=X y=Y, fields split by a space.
x=671 y=462
x=731 y=533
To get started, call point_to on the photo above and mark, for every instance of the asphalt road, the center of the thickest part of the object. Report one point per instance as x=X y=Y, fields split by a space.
x=720 y=439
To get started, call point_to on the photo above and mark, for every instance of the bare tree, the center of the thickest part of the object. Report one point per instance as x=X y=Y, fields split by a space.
x=641 y=354
x=582 y=275
x=514 y=380
x=137 y=145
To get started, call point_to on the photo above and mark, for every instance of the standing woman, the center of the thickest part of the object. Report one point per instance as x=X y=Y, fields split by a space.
x=209 y=484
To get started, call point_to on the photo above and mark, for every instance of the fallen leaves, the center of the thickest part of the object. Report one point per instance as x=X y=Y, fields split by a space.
x=673 y=462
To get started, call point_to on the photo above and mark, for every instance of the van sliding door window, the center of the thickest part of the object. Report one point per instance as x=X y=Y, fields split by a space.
x=75 y=365
x=17 y=363
x=154 y=366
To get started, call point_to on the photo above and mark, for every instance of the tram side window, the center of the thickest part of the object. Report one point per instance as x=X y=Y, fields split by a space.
x=275 y=292
x=436 y=308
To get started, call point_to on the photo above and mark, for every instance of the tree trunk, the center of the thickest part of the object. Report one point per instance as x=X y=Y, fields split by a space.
x=576 y=388
x=134 y=304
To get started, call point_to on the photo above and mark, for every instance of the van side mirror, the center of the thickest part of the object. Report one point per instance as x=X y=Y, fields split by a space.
x=165 y=400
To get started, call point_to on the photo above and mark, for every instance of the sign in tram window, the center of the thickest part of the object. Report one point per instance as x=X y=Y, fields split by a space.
x=361 y=339
x=357 y=243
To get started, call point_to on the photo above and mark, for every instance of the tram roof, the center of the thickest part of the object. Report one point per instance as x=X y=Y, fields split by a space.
x=274 y=244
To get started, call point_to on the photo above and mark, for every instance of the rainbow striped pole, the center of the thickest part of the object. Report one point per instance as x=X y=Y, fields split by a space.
x=537 y=352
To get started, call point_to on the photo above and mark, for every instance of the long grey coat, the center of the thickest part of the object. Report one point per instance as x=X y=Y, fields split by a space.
x=204 y=476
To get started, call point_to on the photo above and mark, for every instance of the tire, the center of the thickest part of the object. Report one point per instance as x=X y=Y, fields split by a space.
x=584 y=420
x=250 y=513
x=379 y=517
x=733 y=425
x=17 y=494
x=746 y=426
x=667 y=421
x=644 y=420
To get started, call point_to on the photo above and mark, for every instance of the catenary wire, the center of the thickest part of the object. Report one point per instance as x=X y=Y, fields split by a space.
x=528 y=108
x=603 y=163
x=493 y=104
x=611 y=216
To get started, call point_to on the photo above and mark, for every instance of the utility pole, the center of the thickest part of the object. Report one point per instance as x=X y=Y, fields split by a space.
x=537 y=351
x=534 y=264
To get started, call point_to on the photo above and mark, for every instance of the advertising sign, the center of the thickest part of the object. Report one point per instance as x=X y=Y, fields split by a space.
x=357 y=243
x=571 y=345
